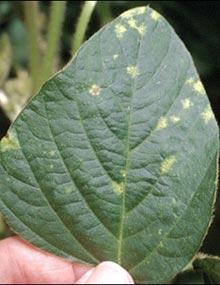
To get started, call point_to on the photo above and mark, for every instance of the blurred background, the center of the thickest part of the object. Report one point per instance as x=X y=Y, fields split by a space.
x=37 y=38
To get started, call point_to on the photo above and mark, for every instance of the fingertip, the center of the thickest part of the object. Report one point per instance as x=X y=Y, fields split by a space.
x=106 y=273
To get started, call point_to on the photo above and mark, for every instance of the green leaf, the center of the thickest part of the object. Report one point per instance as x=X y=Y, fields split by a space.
x=189 y=277
x=209 y=265
x=115 y=158
x=5 y=58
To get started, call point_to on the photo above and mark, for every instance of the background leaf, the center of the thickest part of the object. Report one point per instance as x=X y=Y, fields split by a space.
x=115 y=158
x=5 y=58
x=189 y=277
x=209 y=265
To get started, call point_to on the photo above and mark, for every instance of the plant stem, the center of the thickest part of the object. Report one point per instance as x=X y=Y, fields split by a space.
x=31 y=14
x=57 y=12
x=104 y=12
x=82 y=25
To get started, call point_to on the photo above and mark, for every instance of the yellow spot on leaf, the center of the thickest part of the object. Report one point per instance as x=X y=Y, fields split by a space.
x=186 y=103
x=51 y=166
x=134 y=12
x=207 y=114
x=51 y=153
x=132 y=23
x=9 y=142
x=162 y=123
x=94 y=90
x=198 y=87
x=174 y=119
x=68 y=190
x=115 y=56
x=120 y=30
x=141 y=29
x=174 y=201
x=132 y=71
x=123 y=173
x=167 y=164
x=118 y=187
x=190 y=81
x=155 y=15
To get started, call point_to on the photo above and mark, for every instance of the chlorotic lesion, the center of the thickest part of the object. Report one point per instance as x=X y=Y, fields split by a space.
x=132 y=71
x=10 y=142
x=155 y=15
x=198 y=87
x=167 y=164
x=132 y=23
x=207 y=114
x=118 y=187
x=190 y=81
x=95 y=90
x=196 y=84
x=162 y=124
x=68 y=190
x=52 y=152
x=141 y=29
x=175 y=119
x=120 y=30
x=115 y=56
x=186 y=103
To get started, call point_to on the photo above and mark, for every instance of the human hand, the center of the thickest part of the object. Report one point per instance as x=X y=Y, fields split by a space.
x=24 y=264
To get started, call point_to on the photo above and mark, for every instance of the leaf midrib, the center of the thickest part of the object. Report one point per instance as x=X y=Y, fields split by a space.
x=127 y=154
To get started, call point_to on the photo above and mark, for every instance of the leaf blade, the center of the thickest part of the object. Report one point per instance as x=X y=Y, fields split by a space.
x=120 y=148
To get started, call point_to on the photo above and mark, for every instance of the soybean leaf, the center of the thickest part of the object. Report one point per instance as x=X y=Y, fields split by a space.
x=115 y=158
x=189 y=277
x=210 y=265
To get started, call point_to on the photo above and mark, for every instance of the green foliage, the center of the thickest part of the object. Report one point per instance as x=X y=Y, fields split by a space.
x=210 y=266
x=54 y=30
x=82 y=24
x=189 y=277
x=115 y=158
x=5 y=58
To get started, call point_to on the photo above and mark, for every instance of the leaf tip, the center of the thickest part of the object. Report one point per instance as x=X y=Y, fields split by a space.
x=133 y=12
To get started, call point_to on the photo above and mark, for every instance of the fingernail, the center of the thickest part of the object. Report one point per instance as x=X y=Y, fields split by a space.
x=85 y=277
x=109 y=273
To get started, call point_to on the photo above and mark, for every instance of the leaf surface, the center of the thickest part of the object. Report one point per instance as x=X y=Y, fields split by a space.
x=115 y=158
